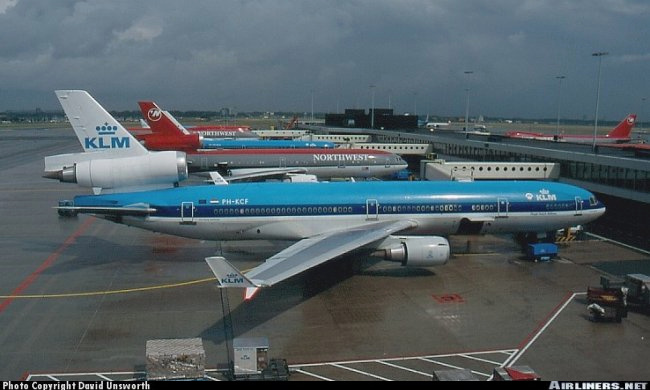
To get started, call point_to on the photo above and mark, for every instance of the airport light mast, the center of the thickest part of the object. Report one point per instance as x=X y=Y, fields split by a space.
x=559 y=89
x=312 y=106
x=600 y=55
x=415 y=103
x=641 y=113
x=467 y=72
x=372 y=105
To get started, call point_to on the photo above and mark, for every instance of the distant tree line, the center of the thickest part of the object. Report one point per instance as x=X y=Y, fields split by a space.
x=57 y=116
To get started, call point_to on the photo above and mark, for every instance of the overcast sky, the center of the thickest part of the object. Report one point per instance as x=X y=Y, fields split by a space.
x=274 y=55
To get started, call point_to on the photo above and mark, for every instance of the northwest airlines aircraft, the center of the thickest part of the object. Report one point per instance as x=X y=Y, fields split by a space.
x=167 y=134
x=243 y=163
x=402 y=221
x=620 y=134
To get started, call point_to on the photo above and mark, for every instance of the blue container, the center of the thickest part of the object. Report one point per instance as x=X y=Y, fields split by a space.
x=541 y=252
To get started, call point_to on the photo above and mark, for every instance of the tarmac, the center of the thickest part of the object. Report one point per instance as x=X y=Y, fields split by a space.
x=80 y=297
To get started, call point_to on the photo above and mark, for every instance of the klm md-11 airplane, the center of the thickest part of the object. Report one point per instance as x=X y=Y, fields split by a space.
x=403 y=221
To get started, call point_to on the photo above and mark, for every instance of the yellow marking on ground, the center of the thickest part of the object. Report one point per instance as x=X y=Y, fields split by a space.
x=109 y=292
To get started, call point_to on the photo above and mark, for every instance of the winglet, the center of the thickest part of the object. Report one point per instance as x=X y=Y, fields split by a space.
x=227 y=275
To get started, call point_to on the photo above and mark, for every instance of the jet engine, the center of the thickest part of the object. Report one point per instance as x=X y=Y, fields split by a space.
x=415 y=251
x=154 y=168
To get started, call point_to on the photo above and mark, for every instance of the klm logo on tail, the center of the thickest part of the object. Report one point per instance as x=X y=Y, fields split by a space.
x=107 y=140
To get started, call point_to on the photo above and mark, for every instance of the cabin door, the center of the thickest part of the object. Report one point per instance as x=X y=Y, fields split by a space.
x=372 y=209
x=502 y=207
x=578 y=205
x=187 y=212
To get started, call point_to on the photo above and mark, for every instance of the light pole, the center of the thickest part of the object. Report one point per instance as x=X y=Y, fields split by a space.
x=372 y=105
x=600 y=55
x=390 y=91
x=641 y=113
x=312 y=106
x=559 y=88
x=415 y=103
x=467 y=72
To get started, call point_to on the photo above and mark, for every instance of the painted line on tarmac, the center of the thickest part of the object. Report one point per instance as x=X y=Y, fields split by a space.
x=361 y=372
x=543 y=326
x=619 y=243
x=404 y=368
x=109 y=292
x=314 y=375
x=48 y=262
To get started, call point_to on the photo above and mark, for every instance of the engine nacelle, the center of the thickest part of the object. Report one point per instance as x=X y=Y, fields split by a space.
x=145 y=170
x=175 y=142
x=415 y=251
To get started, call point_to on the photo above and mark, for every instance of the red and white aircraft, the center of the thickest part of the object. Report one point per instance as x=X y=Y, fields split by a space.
x=620 y=134
x=214 y=131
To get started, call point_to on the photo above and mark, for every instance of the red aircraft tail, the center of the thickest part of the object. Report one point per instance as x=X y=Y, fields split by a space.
x=166 y=132
x=623 y=129
x=160 y=121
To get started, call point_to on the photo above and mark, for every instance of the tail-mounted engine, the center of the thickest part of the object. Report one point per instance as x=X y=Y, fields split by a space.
x=155 y=168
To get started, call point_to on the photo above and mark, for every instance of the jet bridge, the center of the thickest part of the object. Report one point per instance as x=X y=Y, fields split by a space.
x=472 y=170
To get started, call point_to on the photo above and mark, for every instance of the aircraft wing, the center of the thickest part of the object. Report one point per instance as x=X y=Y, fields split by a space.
x=303 y=255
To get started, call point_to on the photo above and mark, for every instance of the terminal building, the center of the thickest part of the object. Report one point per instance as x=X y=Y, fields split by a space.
x=384 y=118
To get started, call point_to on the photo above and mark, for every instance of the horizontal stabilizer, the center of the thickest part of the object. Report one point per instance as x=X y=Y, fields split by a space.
x=217 y=179
x=134 y=211
x=227 y=275
x=263 y=173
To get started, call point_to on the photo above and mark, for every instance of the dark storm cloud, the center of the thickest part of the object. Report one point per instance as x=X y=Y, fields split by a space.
x=272 y=55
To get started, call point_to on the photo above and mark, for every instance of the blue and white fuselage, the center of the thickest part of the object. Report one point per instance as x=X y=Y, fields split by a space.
x=249 y=143
x=331 y=219
x=280 y=211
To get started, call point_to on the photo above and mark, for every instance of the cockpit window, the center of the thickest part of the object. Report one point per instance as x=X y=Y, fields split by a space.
x=593 y=201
